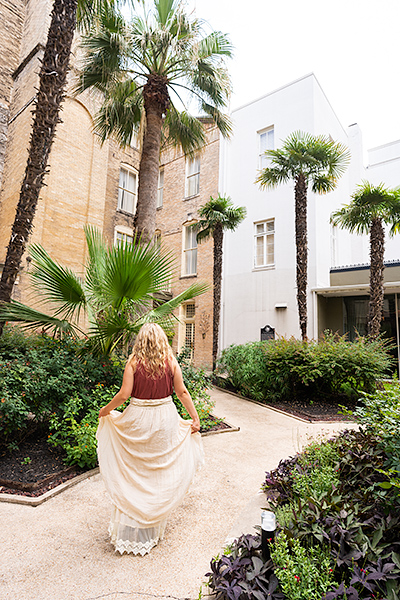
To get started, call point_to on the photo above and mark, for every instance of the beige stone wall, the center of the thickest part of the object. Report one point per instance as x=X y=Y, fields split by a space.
x=12 y=14
x=171 y=219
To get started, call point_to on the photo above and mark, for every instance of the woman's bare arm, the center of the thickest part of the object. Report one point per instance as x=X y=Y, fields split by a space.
x=123 y=394
x=183 y=395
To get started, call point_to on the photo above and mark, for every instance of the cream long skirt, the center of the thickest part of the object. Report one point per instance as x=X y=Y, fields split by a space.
x=148 y=458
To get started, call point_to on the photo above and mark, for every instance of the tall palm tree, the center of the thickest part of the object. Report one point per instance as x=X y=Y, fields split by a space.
x=51 y=93
x=146 y=69
x=308 y=160
x=370 y=209
x=217 y=216
x=120 y=292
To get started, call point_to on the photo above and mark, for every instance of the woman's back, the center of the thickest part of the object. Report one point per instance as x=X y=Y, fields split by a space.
x=145 y=386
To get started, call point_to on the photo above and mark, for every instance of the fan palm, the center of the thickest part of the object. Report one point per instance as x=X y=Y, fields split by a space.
x=217 y=216
x=308 y=160
x=370 y=209
x=146 y=68
x=52 y=80
x=121 y=291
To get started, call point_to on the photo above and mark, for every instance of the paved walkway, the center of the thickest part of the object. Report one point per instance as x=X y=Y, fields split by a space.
x=60 y=551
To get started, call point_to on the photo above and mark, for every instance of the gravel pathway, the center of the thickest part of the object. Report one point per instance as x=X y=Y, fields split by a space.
x=60 y=550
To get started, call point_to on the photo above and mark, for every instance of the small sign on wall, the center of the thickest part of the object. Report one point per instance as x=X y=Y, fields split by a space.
x=267 y=333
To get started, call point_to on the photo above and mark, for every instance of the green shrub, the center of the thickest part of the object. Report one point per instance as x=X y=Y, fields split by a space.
x=75 y=430
x=197 y=383
x=39 y=374
x=303 y=573
x=289 y=368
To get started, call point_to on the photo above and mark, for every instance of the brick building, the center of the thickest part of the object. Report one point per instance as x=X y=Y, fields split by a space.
x=96 y=185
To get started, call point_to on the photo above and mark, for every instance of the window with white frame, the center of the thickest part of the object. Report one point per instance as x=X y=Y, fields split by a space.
x=127 y=190
x=123 y=236
x=187 y=329
x=192 y=177
x=265 y=142
x=189 y=251
x=264 y=243
x=160 y=188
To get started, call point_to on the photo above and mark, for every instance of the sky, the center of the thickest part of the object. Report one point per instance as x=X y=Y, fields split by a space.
x=351 y=46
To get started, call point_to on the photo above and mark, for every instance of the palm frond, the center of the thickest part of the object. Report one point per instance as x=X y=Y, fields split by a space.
x=121 y=113
x=29 y=318
x=183 y=131
x=56 y=284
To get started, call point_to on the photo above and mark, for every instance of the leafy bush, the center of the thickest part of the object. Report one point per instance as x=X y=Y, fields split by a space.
x=241 y=574
x=303 y=573
x=283 y=369
x=75 y=430
x=39 y=374
x=197 y=383
x=356 y=520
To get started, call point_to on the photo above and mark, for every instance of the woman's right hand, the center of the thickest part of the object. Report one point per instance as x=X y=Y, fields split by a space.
x=195 y=425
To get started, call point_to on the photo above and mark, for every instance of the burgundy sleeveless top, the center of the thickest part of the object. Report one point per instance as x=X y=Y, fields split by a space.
x=146 y=387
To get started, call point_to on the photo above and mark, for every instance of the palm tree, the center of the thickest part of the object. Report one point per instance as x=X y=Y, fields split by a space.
x=217 y=216
x=308 y=160
x=370 y=209
x=120 y=292
x=51 y=93
x=144 y=68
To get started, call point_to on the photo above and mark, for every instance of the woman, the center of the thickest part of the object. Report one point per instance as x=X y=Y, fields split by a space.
x=148 y=455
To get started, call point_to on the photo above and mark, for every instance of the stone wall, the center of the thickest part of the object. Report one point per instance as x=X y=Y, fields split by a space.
x=12 y=14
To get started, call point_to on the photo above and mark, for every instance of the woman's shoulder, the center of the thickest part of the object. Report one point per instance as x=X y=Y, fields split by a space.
x=172 y=363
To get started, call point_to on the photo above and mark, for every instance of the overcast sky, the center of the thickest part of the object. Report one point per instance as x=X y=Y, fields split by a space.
x=352 y=47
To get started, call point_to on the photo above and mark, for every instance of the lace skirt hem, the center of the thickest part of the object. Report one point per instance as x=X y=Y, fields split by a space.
x=126 y=535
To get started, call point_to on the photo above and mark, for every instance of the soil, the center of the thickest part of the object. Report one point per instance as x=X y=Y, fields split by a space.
x=36 y=467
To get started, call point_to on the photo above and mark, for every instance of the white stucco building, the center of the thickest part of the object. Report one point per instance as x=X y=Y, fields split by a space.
x=259 y=286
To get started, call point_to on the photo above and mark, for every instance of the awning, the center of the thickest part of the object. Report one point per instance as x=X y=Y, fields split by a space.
x=390 y=287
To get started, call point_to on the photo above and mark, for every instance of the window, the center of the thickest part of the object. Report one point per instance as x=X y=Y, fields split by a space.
x=127 y=191
x=123 y=235
x=187 y=330
x=265 y=142
x=192 y=177
x=333 y=245
x=189 y=251
x=160 y=189
x=264 y=234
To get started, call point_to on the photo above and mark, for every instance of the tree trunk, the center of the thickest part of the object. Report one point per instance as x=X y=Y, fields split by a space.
x=156 y=102
x=301 y=251
x=52 y=79
x=376 y=293
x=218 y=236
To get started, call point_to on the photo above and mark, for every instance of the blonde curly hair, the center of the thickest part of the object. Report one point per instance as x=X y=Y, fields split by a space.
x=152 y=349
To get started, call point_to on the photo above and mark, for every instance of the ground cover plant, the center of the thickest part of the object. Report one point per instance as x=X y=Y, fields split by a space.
x=283 y=369
x=337 y=506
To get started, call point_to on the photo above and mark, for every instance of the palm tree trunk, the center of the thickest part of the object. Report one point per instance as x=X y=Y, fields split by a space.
x=301 y=251
x=376 y=293
x=52 y=79
x=156 y=102
x=218 y=236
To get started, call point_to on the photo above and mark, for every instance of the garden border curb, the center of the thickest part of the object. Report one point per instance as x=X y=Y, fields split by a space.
x=37 y=500
x=278 y=410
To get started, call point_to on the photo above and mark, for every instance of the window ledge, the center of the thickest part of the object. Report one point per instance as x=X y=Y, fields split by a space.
x=187 y=276
x=191 y=197
x=263 y=268
x=125 y=212
x=159 y=207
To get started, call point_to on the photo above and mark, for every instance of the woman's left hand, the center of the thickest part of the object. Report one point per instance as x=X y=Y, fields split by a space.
x=103 y=412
